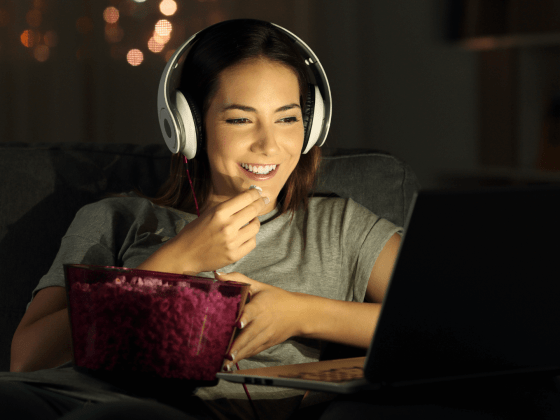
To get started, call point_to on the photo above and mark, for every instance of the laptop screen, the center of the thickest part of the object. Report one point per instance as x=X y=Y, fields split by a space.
x=475 y=289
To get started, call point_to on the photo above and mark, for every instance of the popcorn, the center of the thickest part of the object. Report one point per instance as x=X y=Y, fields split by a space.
x=146 y=325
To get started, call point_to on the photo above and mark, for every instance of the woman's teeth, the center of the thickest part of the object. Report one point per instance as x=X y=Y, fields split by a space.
x=263 y=170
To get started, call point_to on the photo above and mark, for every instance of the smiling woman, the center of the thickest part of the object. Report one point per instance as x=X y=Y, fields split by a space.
x=252 y=121
x=233 y=64
x=316 y=275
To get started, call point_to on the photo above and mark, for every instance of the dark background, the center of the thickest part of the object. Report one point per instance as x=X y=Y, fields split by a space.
x=463 y=91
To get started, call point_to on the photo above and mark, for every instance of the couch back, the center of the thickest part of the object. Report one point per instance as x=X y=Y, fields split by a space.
x=44 y=185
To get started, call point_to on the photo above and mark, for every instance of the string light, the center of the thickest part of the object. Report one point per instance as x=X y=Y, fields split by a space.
x=50 y=39
x=161 y=39
x=155 y=46
x=28 y=38
x=163 y=27
x=34 y=18
x=113 y=33
x=111 y=14
x=135 y=57
x=41 y=52
x=168 y=7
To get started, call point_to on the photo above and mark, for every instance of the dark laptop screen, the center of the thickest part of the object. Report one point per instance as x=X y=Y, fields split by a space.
x=476 y=287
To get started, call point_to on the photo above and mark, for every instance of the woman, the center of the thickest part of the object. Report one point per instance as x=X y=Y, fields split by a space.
x=318 y=267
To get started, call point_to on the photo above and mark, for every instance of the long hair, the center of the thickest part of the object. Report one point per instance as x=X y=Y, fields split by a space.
x=228 y=44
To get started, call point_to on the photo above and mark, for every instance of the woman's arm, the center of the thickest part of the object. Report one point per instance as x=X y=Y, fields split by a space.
x=42 y=339
x=274 y=314
x=352 y=323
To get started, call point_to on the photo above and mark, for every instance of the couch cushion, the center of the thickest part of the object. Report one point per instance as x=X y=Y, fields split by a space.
x=44 y=185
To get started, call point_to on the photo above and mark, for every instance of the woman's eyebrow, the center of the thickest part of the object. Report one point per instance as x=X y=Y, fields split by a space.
x=251 y=109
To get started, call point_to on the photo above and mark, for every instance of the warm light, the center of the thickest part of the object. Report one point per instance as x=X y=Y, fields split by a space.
x=155 y=46
x=34 y=18
x=113 y=33
x=135 y=57
x=41 y=53
x=168 y=7
x=51 y=39
x=84 y=24
x=28 y=38
x=111 y=14
x=161 y=39
x=139 y=1
x=163 y=27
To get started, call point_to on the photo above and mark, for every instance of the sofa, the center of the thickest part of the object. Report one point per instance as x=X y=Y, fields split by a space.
x=44 y=185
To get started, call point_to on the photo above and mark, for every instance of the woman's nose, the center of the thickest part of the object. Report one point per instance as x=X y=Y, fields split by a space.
x=265 y=140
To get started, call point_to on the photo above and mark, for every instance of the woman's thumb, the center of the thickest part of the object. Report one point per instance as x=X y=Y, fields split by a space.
x=218 y=275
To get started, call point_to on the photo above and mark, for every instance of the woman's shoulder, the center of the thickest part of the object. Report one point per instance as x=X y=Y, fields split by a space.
x=335 y=204
x=122 y=204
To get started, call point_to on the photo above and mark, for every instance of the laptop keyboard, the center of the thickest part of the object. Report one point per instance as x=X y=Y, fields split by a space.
x=331 y=375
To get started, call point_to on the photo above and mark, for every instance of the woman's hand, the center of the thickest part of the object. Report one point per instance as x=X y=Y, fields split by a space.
x=271 y=317
x=221 y=236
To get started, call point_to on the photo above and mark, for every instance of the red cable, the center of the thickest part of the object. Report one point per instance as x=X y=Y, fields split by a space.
x=248 y=396
x=198 y=214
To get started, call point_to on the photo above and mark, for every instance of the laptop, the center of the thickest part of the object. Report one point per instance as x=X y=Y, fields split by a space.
x=475 y=293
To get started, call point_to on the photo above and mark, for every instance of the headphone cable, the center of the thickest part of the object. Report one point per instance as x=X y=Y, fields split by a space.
x=198 y=214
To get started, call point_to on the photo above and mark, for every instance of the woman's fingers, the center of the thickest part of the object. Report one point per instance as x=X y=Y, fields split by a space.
x=248 y=343
x=256 y=286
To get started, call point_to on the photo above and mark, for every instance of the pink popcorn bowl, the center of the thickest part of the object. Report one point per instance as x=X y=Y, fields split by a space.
x=145 y=330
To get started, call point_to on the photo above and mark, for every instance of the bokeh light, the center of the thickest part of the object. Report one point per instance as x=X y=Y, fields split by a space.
x=111 y=14
x=155 y=46
x=29 y=38
x=168 y=7
x=113 y=33
x=139 y=1
x=34 y=18
x=41 y=52
x=135 y=57
x=84 y=24
x=161 y=39
x=163 y=27
x=50 y=39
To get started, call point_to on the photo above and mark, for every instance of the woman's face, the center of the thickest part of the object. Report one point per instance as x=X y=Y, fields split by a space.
x=254 y=118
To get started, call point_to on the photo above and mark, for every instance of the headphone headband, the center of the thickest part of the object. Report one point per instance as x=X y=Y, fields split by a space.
x=176 y=119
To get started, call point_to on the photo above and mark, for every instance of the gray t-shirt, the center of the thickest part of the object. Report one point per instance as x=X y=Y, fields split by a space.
x=328 y=251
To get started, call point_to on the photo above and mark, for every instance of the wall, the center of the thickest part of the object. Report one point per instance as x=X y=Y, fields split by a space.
x=408 y=90
x=397 y=84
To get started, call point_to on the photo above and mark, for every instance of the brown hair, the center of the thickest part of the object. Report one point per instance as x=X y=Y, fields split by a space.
x=225 y=45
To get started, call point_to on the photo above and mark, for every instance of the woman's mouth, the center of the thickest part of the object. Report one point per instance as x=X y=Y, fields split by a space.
x=261 y=168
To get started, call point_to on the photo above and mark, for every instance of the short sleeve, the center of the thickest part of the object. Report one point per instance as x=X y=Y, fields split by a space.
x=85 y=242
x=364 y=235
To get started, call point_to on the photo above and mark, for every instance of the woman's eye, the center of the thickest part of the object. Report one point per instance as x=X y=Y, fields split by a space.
x=237 y=121
x=289 y=120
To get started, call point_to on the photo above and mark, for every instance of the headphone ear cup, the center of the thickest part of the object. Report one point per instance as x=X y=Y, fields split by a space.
x=313 y=118
x=192 y=125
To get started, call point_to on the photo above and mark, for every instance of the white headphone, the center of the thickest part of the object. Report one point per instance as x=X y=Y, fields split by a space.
x=180 y=121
